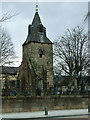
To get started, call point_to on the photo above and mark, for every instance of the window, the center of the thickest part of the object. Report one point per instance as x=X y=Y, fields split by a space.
x=40 y=28
x=41 y=52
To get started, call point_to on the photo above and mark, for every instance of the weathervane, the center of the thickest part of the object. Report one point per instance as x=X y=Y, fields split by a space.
x=36 y=5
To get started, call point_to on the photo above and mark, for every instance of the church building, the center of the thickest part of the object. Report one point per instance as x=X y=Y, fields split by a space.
x=36 y=71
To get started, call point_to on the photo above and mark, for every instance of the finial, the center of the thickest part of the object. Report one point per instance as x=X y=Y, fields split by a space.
x=36 y=5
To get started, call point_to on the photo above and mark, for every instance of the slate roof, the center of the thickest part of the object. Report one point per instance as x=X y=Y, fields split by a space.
x=66 y=79
x=34 y=33
x=8 y=70
x=36 y=21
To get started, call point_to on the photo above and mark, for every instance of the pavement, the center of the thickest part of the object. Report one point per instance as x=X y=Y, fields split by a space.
x=51 y=114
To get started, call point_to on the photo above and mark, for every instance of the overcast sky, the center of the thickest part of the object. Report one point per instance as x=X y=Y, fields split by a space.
x=55 y=16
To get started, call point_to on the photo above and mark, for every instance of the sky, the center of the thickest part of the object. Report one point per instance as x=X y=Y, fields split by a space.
x=55 y=16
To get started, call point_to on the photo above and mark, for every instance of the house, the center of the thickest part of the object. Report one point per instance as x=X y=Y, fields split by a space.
x=61 y=84
x=8 y=77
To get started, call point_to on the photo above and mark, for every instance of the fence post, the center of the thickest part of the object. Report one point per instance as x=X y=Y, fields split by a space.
x=46 y=110
x=88 y=107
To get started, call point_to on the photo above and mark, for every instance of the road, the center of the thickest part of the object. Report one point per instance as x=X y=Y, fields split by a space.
x=78 y=114
x=51 y=119
x=86 y=117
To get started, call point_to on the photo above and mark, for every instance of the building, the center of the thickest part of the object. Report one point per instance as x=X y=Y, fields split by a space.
x=8 y=78
x=61 y=85
x=36 y=71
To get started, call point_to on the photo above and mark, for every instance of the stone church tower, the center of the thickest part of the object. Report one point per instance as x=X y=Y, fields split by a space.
x=36 y=71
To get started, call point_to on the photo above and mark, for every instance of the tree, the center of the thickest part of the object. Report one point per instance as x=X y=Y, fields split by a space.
x=86 y=17
x=57 y=70
x=7 y=16
x=71 y=53
x=7 y=53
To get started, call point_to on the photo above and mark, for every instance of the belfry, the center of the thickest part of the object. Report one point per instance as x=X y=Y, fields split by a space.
x=36 y=71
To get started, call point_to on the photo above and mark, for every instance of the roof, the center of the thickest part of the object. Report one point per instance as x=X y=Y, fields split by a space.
x=8 y=70
x=37 y=32
x=36 y=21
x=66 y=79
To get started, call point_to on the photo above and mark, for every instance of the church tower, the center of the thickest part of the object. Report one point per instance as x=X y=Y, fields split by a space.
x=36 y=71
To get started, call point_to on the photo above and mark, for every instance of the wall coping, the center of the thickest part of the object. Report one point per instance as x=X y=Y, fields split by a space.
x=44 y=97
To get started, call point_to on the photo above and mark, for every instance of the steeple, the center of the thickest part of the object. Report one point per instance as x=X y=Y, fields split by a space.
x=36 y=70
x=36 y=21
x=36 y=31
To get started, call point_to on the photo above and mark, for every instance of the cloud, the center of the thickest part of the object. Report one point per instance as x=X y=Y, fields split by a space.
x=56 y=17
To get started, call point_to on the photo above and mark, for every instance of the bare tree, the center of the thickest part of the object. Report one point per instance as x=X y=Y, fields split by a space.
x=7 y=53
x=7 y=16
x=71 y=53
x=57 y=70
x=86 y=17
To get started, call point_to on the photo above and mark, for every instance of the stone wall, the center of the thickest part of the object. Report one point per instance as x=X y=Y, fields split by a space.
x=36 y=72
x=32 y=49
x=28 y=104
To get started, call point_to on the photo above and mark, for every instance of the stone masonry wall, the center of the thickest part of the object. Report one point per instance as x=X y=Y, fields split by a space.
x=31 y=104
x=37 y=62
x=37 y=72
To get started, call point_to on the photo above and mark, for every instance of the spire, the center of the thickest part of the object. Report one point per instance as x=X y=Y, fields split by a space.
x=36 y=5
x=36 y=21
x=36 y=31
